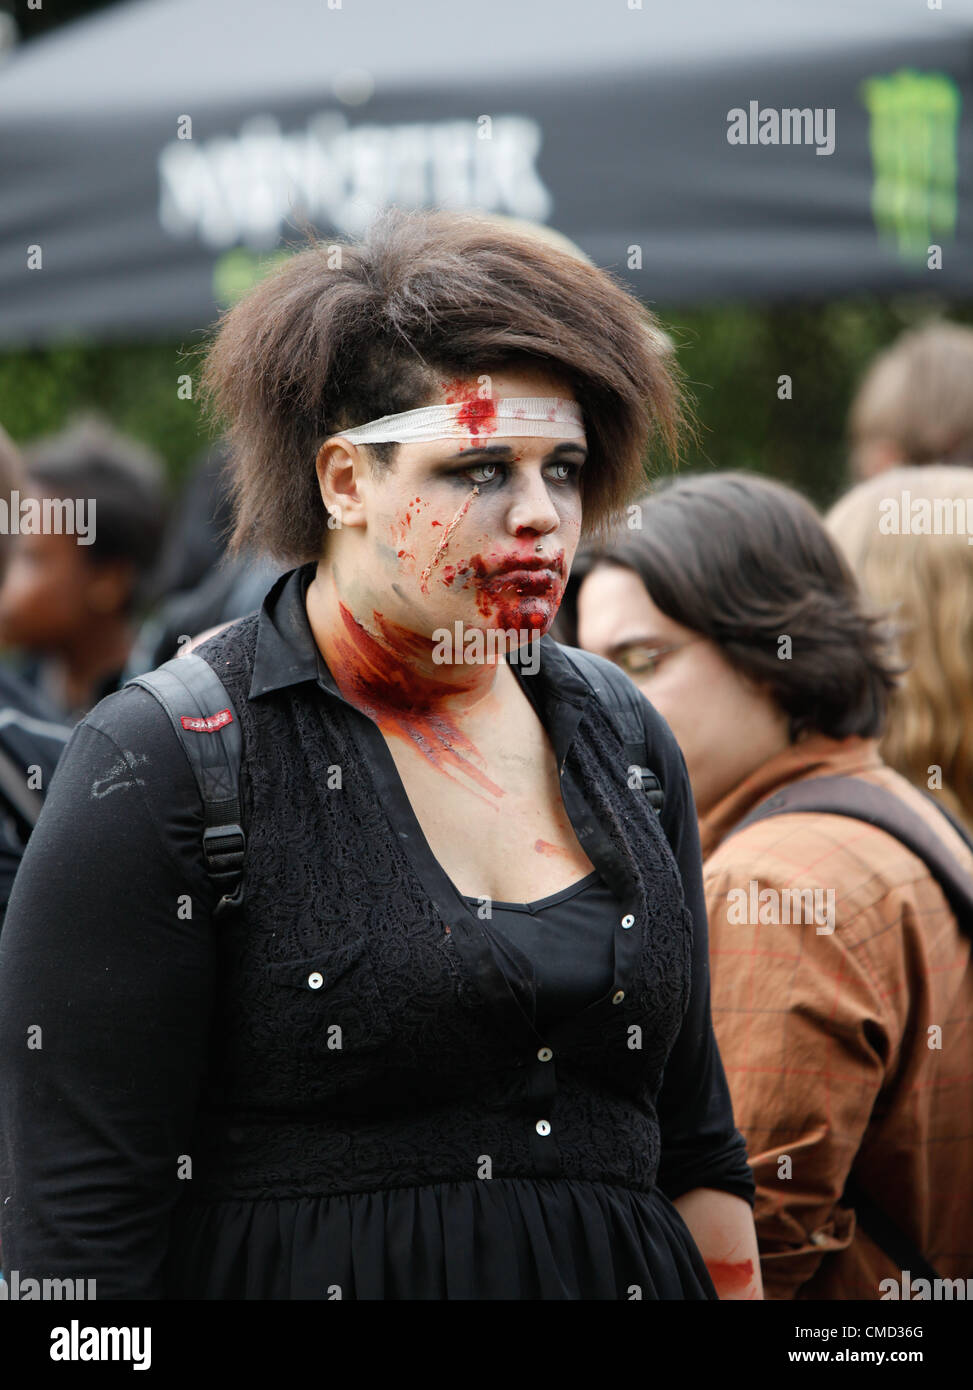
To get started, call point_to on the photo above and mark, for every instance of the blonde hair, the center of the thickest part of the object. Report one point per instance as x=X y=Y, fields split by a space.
x=927 y=580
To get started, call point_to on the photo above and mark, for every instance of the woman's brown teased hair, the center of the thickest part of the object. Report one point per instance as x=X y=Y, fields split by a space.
x=346 y=332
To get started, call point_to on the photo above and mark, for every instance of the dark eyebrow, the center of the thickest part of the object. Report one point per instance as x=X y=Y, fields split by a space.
x=650 y=642
x=494 y=450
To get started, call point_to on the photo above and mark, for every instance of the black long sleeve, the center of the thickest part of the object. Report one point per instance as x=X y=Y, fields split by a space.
x=106 y=974
x=31 y=741
x=700 y=1145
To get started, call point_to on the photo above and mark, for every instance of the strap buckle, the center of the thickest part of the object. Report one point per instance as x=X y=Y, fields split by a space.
x=224 y=847
x=650 y=784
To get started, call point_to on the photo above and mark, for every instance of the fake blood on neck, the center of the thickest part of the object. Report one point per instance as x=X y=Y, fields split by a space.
x=389 y=681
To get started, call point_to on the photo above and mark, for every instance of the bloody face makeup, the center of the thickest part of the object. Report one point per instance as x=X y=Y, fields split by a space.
x=474 y=536
x=483 y=530
x=444 y=540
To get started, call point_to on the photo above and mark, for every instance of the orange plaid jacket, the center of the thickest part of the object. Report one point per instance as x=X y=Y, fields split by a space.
x=845 y=1022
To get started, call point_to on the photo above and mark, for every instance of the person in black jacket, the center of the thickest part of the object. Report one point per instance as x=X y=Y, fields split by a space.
x=199 y=587
x=31 y=741
x=455 y=1042
x=72 y=592
x=32 y=738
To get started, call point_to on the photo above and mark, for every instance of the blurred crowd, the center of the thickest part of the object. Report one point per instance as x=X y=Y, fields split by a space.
x=781 y=647
x=80 y=614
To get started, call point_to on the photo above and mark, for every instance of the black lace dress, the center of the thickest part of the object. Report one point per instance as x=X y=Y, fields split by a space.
x=361 y=1086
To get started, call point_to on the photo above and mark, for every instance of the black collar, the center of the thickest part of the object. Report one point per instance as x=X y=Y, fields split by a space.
x=286 y=652
x=287 y=655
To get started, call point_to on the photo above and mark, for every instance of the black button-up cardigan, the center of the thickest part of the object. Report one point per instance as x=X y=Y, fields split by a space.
x=351 y=1028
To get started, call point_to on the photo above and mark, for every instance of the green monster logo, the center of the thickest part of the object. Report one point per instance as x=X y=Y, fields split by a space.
x=914 y=121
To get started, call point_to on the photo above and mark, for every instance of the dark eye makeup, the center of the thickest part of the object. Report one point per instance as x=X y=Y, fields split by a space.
x=571 y=476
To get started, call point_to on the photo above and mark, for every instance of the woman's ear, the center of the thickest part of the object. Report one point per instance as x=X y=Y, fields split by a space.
x=340 y=466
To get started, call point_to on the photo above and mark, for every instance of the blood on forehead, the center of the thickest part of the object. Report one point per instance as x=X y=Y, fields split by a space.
x=477 y=413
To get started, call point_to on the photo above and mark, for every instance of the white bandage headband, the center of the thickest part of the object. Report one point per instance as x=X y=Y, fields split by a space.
x=474 y=419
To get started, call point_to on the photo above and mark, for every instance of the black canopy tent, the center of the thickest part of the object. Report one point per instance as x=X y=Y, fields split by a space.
x=151 y=154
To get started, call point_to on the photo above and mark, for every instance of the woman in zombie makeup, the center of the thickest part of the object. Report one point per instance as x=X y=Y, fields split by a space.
x=455 y=1043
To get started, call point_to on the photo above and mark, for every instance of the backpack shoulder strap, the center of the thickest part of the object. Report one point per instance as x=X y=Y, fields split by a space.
x=622 y=700
x=202 y=714
x=850 y=796
x=954 y=820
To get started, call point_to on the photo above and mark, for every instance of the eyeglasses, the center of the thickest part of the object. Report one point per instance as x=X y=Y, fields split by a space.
x=638 y=659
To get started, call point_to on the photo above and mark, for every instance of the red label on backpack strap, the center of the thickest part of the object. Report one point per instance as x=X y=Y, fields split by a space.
x=208 y=725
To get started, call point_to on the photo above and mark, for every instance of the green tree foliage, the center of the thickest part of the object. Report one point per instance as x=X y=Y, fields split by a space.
x=133 y=386
x=732 y=355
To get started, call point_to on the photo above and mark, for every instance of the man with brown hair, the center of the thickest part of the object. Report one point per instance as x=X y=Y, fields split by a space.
x=915 y=404
x=72 y=591
x=842 y=978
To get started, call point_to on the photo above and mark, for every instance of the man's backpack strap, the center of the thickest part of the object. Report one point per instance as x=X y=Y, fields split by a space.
x=850 y=796
x=623 y=702
x=202 y=714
